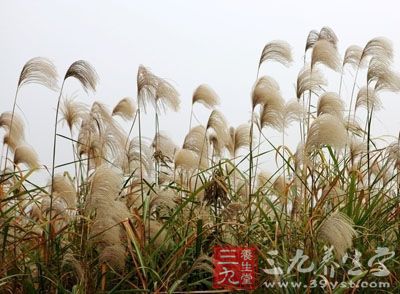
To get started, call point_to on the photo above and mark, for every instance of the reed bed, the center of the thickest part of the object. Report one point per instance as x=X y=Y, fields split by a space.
x=142 y=215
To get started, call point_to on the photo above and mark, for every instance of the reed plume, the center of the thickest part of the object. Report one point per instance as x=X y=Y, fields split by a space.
x=70 y=260
x=379 y=47
x=330 y=103
x=326 y=33
x=166 y=96
x=163 y=199
x=265 y=90
x=263 y=180
x=326 y=129
x=218 y=146
x=271 y=116
x=105 y=231
x=175 y=204
x=64 y=199
x=292 y=111
x=218 y=124
x=101 y=138
x=240 y=138
x=278 y=51
x=352 y=125
x=206 y=96
x=386 y=79
x=155 y=90
x=26 y=155
x=272 y=109
x=146 y=86
x=312 y=38
x=14 y=126
x=164 y=147
x=10 y=142
x=39 y=70
x=72 y=112
x=84 y=73
x=196 y=140
x=125 y=108
x=65 y=189
x=325 y=53
x=309 y=80
x=357 y=148
x=139 y=157
x=368 y=98
x=187 y=160
x=353 y=56
x=337 y=230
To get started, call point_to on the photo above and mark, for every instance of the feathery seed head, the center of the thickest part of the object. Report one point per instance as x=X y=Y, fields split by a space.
x=84 y=73
x=14 y=126
x=187 y=160
x=218 y=124
x=125 y=108
x=325 y=52
x=330 y=103
x=39 y=70
x=329 y=35
x=164 y=145
x=278 y=51
x=337 y=230
x=379 y=47
x=309 y=80
x=25 y=154
x=73 y=112
x=326 y=129
x=352 y=56
x=265 y=90
x=312 y=38
x=205 y=95
x=368 y=98
x=155 y=90
x=292 y=111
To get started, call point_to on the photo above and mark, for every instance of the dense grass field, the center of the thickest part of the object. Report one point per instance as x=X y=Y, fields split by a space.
x=132 y=214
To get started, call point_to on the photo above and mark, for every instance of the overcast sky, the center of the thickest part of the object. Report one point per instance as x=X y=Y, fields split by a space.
x=187 y=42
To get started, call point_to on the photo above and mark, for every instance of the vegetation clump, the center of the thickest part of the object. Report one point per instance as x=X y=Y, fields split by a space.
x=135 y=214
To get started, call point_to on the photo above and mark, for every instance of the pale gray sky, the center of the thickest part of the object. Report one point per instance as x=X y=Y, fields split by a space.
x=188 y=42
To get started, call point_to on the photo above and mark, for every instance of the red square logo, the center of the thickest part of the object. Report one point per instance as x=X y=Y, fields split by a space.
x=235 y=267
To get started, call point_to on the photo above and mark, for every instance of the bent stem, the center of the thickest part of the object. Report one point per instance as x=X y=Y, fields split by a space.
x=53 y=168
